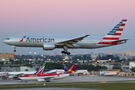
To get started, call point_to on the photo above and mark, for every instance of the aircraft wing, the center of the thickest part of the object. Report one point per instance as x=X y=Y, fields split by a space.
x=71 y=41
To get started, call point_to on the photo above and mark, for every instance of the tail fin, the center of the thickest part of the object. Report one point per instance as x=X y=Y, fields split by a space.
x=65 y=68
x=36 y=67
x=115 y=33
x=72 y=69
x=41 y=70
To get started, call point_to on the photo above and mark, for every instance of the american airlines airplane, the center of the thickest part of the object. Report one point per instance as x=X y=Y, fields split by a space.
x=67 y=42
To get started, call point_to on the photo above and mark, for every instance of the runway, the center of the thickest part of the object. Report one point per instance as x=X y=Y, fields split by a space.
x=54 y=89
x=77 y=79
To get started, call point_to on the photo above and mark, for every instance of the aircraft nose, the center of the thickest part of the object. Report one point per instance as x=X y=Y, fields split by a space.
x=5 y=41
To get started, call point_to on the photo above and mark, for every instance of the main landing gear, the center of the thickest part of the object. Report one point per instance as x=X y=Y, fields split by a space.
x=65 y=50
x=14 y=48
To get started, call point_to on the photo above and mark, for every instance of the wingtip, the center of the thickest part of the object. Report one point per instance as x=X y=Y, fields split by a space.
x=87 y=35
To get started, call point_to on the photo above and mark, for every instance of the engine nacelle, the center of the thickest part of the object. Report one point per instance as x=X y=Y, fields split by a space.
x=41 y=80
x=48 y=46
x=61 y=76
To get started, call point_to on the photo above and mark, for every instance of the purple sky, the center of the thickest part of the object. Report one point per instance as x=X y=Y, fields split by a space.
x=66 y=17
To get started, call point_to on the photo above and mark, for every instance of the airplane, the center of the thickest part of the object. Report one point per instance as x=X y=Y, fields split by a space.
x=75 y=71
x=39 y=76
x=67 y=42
x=71 y=70
x=12 y=75
x=111 y=74
x=50 y=71
x=84 y=72
x=17 y=74
x=54 y=71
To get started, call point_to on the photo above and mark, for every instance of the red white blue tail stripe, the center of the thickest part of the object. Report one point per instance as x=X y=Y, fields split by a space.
x=114 y=34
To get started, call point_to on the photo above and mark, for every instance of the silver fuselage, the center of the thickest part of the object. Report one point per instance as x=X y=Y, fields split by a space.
x=38 y=41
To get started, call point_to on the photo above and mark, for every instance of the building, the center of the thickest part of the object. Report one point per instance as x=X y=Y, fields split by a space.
x=131 y=64
x=5 y=60
x=24 y=68
x=7 y=55
x=10 y=68
x=109 y=66
x=128 y=53
x=68 y=57
x=94 y=55
x=113 y=72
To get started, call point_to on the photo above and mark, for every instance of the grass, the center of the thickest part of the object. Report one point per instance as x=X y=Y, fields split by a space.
x=104 y=86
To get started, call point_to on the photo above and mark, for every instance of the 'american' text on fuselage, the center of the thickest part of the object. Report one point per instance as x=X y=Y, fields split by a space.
x=43 y=39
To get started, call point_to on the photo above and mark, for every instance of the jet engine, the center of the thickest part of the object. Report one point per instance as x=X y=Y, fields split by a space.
x=41 y=80
x=61 y=76
x=48 y=46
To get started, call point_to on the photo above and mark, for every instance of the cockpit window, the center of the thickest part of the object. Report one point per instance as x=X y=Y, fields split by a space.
x=7 y=38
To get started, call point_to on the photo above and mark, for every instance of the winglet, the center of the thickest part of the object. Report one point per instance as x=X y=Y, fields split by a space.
x=87 y=35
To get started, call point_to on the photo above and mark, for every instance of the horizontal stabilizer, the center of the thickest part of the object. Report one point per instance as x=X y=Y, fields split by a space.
x=121 y=40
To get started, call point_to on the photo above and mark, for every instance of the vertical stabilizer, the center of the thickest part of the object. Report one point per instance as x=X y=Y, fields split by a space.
x=36 y=67
x=41 y=70
x=114 y=34
x=72 y=69
x=65 y=68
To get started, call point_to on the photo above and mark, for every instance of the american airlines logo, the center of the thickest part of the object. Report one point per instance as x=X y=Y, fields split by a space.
x=22 y=38
x=43 y=39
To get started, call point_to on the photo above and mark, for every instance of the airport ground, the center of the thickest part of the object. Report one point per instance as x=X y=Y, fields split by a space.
x=87 y=82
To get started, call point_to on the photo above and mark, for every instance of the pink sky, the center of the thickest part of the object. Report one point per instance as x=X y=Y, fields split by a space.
x=64 y=17
x=64 y=11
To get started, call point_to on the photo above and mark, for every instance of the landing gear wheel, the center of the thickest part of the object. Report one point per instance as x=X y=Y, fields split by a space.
x=63 y=52
x=14 y=50
x=48 y=81
x=68 y=53
x=19 y=81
